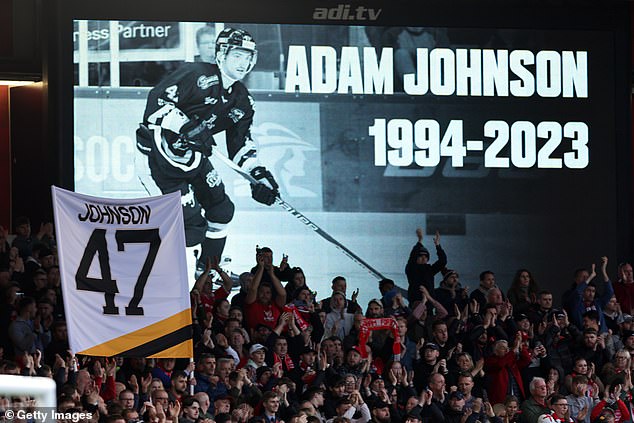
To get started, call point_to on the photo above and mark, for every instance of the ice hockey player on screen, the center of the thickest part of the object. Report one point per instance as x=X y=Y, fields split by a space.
x=182 y=114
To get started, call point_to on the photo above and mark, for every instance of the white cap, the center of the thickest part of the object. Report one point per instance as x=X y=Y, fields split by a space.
x=256 y=347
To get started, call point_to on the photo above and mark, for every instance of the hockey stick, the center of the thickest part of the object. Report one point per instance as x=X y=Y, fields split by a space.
x=306 y=221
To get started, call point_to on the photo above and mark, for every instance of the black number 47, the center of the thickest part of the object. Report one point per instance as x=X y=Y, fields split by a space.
x=97 y=244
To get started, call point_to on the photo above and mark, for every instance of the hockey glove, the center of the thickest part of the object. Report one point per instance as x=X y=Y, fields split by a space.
x=192 y=136
x=266 y=189
x=197 y=136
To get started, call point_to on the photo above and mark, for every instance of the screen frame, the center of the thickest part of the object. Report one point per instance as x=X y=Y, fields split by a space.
x=614 y=17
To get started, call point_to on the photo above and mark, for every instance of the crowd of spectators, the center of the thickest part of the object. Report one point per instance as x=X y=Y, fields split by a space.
x=277 y=351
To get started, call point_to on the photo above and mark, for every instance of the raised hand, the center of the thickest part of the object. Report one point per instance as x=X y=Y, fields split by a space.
x=419 y=234
x=98 y=370
x=566 y=321
x=581 y=415
x=467 y=413
x=355 y=294
x=134 y=384
x=404 y=377
x=477 y=405
x=59 y=363
x=111 y=366
x=604 y=268
x=37 y=358
x=479 y=366
x=488 y=409
x=367 y=381
x=221 y=341
x=601 y=340
x=437 y=239
x=617 y=391
x=420 y=344
x=323 y=360
x=146 y=381
x=504 y=310
x=259 y=258
x=425 y=292
x=212 y=264
x=392 y=377
x=284 y=262
x=593 y=273
x=174 y=408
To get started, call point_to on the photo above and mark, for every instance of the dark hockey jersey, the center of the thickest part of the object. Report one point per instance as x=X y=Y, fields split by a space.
x=196 y=90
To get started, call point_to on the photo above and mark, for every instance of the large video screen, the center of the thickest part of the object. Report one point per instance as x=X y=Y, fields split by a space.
x=503 y=140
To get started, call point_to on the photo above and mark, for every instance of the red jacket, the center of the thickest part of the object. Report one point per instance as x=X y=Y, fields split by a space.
x=496 y=369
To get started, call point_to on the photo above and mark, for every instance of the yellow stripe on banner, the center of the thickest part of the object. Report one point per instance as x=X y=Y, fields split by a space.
x=184 y=349
x=141 y=336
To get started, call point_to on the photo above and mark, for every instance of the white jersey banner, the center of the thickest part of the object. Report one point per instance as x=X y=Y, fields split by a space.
x=124 y=276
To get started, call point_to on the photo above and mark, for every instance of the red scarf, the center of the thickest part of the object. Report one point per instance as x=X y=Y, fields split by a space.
x=301 y=323
x=287 y=361
x=369 y=325
x=309 y=374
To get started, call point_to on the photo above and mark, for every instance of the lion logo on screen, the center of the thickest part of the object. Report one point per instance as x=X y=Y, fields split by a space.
x=284 y=152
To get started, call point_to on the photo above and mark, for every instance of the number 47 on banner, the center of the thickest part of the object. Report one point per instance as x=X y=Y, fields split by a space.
x=97 y=245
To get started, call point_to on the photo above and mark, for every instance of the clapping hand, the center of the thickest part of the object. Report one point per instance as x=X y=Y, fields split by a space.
x=355 y=294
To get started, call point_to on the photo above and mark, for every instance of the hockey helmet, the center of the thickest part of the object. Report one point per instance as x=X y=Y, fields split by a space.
x=229 y=39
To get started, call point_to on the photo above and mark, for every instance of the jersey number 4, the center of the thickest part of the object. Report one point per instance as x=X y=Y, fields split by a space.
x=97 y=244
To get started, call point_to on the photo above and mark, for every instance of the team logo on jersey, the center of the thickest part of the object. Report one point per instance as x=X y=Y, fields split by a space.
x=236 y=114
x=205 y=82
x=188 y=199
x=209 y=123
x=213 y=179
x=211 y=100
